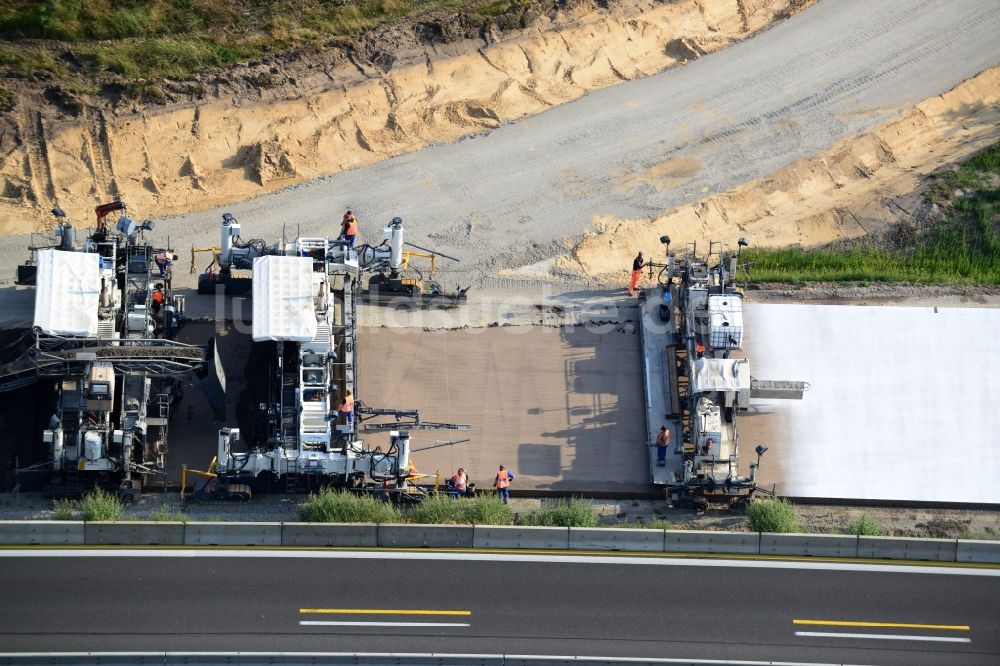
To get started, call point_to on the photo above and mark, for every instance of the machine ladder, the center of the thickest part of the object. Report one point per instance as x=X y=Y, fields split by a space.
x=350 y=341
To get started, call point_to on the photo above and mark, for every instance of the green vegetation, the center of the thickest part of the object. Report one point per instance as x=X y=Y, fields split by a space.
x=64 y=509
x=168 y=514
x=487 y=509
x=265 y=80
x=654 y=524
x=28 y=60
x=865 y=525
x=963 y=247
x=165 y=57
x=572 y=512
x=988 y=534
x=772 y=515
x=511 y=13
x=974 y=174
x=179 y=38
x=101 y=505
x=343 y=506
x=483 y=509
x=82 y=89
x=437 y=509
x=96 y=505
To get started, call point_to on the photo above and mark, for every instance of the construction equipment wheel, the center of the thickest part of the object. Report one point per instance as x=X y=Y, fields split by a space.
x=740 y=505
x=239 y=492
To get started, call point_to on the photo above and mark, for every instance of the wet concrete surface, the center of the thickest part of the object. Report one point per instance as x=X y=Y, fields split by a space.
x=562 y=407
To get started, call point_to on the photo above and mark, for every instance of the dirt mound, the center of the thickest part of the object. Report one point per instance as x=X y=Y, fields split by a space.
x=267 y=125
x=851 y=190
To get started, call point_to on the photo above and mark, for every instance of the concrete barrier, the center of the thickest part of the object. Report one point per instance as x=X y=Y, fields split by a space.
x=425 y=536
x=809 y=545
x=697 y=541
x=359 y=535
x=49 y=532
x=904 y=548
x=512 y=536
x=232 y=534
x=978 y=551
x=585 y=538
x=134 y=533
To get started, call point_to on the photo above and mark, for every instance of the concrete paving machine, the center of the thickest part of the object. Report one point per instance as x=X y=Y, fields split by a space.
x=697 y=380
x=65 y=239
x=104 y=318
x=395 y=277
x=305 y=433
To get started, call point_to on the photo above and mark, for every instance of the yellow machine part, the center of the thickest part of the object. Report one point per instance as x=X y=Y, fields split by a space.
x=409 y=254
x=196 y=250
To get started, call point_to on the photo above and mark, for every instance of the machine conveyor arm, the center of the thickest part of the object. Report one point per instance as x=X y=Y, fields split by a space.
x=423 y=425
x=777 y=389
x=405 y=419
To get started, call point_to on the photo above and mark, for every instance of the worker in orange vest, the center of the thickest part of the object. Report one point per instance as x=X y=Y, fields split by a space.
x=347 y=408
x=349 y=228
x=502 y=483
x=637 y=265
x=459 y=483
x=157 y=299
x=662 y=442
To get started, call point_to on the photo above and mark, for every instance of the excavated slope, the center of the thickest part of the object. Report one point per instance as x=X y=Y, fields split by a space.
x=841 y=193
x=511 y=201
x=165 y=161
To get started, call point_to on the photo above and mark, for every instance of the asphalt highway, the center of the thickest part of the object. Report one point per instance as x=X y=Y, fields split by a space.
x=296 y=601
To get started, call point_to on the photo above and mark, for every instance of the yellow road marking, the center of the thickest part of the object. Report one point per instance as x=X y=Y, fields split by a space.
x=898 y=625
x=381 y=611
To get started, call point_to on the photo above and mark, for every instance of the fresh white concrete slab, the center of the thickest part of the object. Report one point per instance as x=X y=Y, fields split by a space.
x=904 y=402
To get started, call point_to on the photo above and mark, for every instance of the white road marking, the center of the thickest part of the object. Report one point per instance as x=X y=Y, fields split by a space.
x=495 y=557
x=333 y=623
x=401 y=655
x=885 y=637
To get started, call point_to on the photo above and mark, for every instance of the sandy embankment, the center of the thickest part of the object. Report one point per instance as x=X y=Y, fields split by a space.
x=845 y=192
x=175 y=160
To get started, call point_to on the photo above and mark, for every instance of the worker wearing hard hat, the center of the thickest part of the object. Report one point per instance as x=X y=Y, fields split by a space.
x=662 y=442
x=502 y=483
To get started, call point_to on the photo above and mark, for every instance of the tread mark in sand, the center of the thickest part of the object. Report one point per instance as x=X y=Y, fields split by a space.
x=37 y=166
x=98 y=142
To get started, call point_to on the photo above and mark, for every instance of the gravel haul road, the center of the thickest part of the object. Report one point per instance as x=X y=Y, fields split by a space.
x=511 y=197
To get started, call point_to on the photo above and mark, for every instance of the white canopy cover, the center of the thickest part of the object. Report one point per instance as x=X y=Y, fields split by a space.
x=721 y=374
x=67 y=293
x=283 y=299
